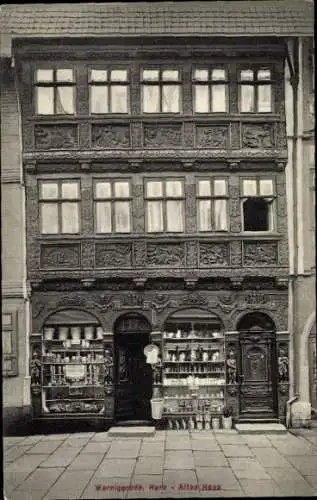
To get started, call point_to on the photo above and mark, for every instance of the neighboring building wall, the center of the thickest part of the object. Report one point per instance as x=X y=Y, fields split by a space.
x=15 y=391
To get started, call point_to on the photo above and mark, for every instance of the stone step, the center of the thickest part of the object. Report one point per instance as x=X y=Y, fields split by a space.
x=134 y=431
x=255 y=428
x=133 y=423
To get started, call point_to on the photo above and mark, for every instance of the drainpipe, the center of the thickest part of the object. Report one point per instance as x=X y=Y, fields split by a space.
x=26 y=296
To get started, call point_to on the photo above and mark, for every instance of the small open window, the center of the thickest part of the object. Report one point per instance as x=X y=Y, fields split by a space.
x=257 y=204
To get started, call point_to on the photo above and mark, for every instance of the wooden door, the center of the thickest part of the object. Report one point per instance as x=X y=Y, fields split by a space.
x=257 y=377
x=133 y=378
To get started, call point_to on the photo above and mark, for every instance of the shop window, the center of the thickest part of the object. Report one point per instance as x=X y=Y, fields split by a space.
x=59 y=206
x=164 y=206
x=258 y=197
x=112 y=206
x=255 y=90
x=108 y=91
x=210 y=90
x=9 y=345
x=54 y=92
x=160 y=91
x=212 y=205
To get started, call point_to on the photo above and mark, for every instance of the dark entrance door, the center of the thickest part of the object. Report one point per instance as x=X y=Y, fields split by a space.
x=257 y=374
x=133 y=374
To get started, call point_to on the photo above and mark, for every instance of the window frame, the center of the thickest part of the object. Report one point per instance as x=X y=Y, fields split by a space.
x=14 y=356
x=160 y=83
x=164 y=199
x=54 y=84
x=108 y=84
x=210 y=83
x=59 y=202
x=112 y=200
x=270 y=199
x=255 y=83
x=212 y=197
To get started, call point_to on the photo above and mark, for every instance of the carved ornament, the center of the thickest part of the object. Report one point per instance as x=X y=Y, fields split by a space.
x=282 y=283
x=162 y=135
x=71 y=300
x=236 y=282
x=110 y=136
x=212 y=136
x=88 y=283
x=257 y=136
x=62 y=255
x=166 y=254
x=113 y=255
x=213 y=254
x=193 y=299
x=191 y=283
x=140 y=282
x=55 y=136
x=260 y=253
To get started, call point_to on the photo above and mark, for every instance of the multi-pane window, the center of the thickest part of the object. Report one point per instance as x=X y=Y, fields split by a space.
x=54 y=92
x=9 y=345
x=161 y=90
x=257 y=203
x=112 y=206
x=212 y=195
x=255 y=90
x=59 y=206
x=210 y=90
x=164 y=205
x=108 y=91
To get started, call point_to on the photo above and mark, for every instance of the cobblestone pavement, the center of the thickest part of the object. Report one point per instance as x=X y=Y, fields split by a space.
x=90 y=465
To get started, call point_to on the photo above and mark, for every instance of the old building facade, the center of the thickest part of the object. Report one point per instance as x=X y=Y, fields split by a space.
x=156 y=175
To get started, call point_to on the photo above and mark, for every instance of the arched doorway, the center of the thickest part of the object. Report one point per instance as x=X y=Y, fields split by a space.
x=257 y=367
x=133 y=376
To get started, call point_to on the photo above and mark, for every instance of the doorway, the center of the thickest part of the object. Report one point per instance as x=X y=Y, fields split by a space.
x=133 y=376
x=257 y=374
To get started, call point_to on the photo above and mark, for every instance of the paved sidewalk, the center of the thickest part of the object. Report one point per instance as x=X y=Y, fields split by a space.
x=92 y=465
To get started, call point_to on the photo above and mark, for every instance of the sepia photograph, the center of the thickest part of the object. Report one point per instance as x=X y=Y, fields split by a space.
x=158 y=249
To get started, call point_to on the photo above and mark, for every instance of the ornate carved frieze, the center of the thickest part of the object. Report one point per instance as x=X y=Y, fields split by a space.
x=138 y=208
x=193 y=299
x=282 y=361
x=162 y=135
x=257 y=136
x=113 y=254
x=236 y=253
x=212 y=136
x=190 y=191
x=191 y=254
x=281 y=141
x=213 y=254
x=139 y=251
x=166 y=254
x=60 y=256
x=110 y=136
x=259 y=253
x=55 y=136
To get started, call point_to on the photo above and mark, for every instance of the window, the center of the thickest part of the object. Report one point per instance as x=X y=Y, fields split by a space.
x=108 y=91
x=257 y=204
x=9 y=345
x=255 y=91
x=160 y=91
x=59 y=206
x=54 y=92
x=212 y=205
x=112 y=206
x=164 y=206
x=210 y=90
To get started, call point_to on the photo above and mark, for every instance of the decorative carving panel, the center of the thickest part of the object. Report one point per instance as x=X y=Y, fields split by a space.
x=139 y=252
x=259 y=253
x=236 y=253
x=60 y=256
x=110 y=136
x=138 y=208
x=213 y=254
x=257 y=136
x=191 y=254
x=212 y=136
x=162 y=135
x=55 y=136
x=166 y=254
x=113 y=255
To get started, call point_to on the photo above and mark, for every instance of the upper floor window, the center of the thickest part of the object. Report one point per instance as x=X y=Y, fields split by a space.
x=59 y=206
x=255 y=90
x=9 y=344
x=164 y=206
x=210 y=88
x=108 y=91
x=258 y=197
x=112 y=206
x=160 y=90
x=212 y=205
x=54 y=92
